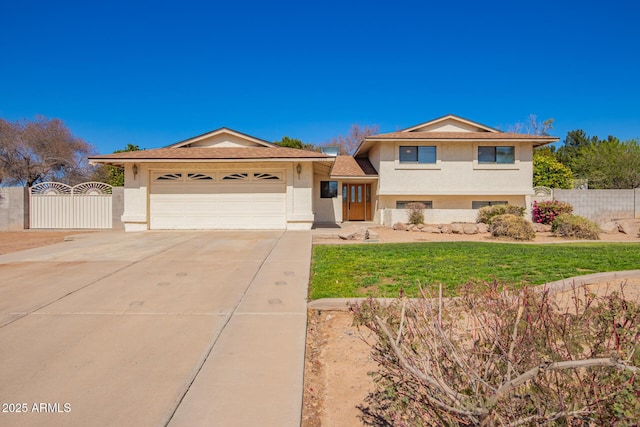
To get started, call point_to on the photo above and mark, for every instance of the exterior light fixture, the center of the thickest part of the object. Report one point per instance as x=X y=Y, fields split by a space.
x=299 y=169
x=135 y=170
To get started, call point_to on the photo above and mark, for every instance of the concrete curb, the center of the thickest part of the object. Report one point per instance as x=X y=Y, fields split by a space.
x=342 y=304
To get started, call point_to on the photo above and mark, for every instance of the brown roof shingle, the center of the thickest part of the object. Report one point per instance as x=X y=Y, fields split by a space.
x=212 y=153
x=350 y=166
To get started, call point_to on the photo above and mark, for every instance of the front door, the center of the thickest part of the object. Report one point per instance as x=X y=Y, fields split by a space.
x=356 y=202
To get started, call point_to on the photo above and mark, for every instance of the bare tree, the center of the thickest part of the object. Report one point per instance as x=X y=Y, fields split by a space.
x=40 y=150
x=349 y=143
x=497 y=357
x=532 y=126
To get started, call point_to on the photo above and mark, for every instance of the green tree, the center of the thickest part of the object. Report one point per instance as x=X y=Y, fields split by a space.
x=113 y=175
x=549 y=172
x=572 y=144
x=608 y=164
x=294 y=143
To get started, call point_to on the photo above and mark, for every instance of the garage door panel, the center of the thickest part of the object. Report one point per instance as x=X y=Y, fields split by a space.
x=219 y=205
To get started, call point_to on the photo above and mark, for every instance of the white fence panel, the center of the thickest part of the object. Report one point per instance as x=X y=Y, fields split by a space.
x=56 y=205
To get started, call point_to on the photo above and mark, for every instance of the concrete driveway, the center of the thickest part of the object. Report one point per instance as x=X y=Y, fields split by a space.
x=154 y=329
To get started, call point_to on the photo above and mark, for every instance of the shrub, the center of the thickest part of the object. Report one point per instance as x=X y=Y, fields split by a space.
x=497 y=357
x=545 y=212
x=416 y=212
x=511 y=226
x=486 y=214
x=567 y=225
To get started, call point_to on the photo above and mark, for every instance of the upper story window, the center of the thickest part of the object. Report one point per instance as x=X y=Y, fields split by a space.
x=417 y=154
x=497 y=155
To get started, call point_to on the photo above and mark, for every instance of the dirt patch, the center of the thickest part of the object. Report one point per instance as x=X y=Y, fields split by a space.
x=337 y=362
x=336 y=367
x=388 y=235
x=13 y=241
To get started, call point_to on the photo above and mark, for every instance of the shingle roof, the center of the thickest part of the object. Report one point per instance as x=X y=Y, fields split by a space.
x=212 y=153
x=461 y=135
x=350 y=166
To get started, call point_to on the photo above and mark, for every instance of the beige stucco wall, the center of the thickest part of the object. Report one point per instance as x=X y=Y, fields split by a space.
x=446 y=209
x=224 y=140
x=456 y=171
x=451 y=202
x=299 y=196
x=326 y=210
x=449 y=125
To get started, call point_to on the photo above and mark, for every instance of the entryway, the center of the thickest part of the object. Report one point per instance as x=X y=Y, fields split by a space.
x=356 y=202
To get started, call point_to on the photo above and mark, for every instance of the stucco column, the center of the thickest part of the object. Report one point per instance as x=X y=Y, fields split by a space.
x=134 y=217
x=300 y=210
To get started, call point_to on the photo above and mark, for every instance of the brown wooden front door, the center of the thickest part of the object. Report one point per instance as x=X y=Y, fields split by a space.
x=356 y=202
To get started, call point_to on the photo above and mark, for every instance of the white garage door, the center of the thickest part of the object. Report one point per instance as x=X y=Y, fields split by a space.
x=217 y=200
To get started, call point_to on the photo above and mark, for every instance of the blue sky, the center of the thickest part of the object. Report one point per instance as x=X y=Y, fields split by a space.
x=155 y=72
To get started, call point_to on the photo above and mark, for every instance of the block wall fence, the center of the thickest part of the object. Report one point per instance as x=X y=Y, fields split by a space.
x=602 y=205
x=14 y=208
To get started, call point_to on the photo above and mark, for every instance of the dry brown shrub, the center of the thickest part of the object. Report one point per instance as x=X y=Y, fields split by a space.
x=512 y=227
x=497 y=357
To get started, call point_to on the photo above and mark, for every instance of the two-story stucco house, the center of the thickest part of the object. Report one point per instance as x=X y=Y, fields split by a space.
x=225 y=179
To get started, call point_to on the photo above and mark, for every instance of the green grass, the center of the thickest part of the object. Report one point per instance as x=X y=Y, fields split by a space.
x=380 y=270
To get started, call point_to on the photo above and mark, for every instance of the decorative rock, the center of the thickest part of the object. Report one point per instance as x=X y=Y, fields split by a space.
x=431 y=229
x=351 y=234
x=470 y=229
x=416 y=228
x=630 y=227
x=372 y=235
x=446 y=229
x=399 y=226
x=457 y=228
x=482 y=227
x=609 y=227
x=541 y=228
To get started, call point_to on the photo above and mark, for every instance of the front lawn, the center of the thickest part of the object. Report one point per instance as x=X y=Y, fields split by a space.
x=380 y=270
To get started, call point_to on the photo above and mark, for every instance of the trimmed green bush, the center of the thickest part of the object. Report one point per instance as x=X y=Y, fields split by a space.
x=487 y=213
x=576 y=226
x=416 y=212
x=512 y=227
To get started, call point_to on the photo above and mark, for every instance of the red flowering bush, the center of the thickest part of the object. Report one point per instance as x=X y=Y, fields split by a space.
x=546 y=211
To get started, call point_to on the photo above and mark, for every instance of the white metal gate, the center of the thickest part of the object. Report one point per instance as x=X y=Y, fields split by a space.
x=57 y=205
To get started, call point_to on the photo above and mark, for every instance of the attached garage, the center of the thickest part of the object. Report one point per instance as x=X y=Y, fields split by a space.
x=222 y=179
x=217 y=200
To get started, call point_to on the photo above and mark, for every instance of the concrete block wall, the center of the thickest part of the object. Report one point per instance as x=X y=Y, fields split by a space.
x=14 y=208
x=117 y=205
x=602 y=205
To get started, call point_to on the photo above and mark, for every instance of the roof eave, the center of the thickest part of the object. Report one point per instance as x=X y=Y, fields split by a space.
x=116 y=161
x=218 y=131
x=451 y=116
